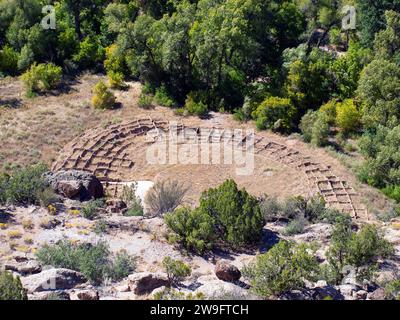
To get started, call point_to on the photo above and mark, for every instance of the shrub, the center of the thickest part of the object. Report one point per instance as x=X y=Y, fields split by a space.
x=162 y=98
x=237 y=215
x=348 y=117
x=193 y=229
x=392 y=289
x=361 y=250
x=176 y=270
x=307 y=124
x=320 y=130
x=271 y=209
x=145 y=101
x=47 y=197
x=100 y=227
x=24 y=185
x=91 y=208
x=283 y=268
x=195 y=108
x=172 y=294
x=8 y=61
x=296 y=226
x=115 y=79
x=41 y=77
x=165 y=196
x=329 y=109
x=103 y=98
x=11 y=288
x=94 y=261
x=133 y=202
x=122 y=266
x=275 y=114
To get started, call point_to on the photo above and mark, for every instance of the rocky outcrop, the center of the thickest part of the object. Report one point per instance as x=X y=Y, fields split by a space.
x=220 y=290
x=74 y=184
x=226 y=271
x=145 y=282
x=85 y=295
x=378 y=294
x=52 y=279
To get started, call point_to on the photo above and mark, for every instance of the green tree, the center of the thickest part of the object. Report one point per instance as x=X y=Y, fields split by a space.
x=237 y=216
x=276 y=114
x=379 y=90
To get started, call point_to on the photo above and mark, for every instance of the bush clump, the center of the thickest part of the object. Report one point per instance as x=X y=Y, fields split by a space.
x=24 y=186
x=94 y=261
x=226 y=215
x=41 y=77
x=162 y=98
x=103 y=98
x=193 y=229
x=195 y=108
x=91 y=208
x=275 y=114
x=176 y=270
x=133 y=202
x=11 y=287
x=283 y=268
x=165 y=196
x=360 y=250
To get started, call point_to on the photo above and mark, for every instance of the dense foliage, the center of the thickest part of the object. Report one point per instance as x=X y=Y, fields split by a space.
x=287 y=64
x=283 y=268
x=11 y=287
x=23 y=186
x=95 y=261
x=226 y=215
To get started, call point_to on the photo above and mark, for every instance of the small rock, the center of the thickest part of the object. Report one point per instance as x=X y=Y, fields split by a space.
x=115 y=205
x=361 y=295
x=122 y=288
x=145 y=282
x=226 y=271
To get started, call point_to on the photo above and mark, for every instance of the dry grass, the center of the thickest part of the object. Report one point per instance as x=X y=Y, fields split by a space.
x=14 y=234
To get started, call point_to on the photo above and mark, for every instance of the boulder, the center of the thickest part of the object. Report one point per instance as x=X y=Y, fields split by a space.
x=378 y=294
x=29 y=267
x=74 y=184
x=221 y=290
x=297 y=295
x=226 y=271
x=145 y=282
x=86 y=295
x=348 y=290
x=52 y=279
x=326 y=292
